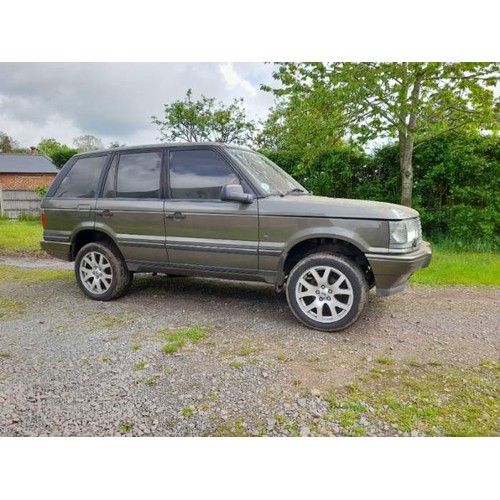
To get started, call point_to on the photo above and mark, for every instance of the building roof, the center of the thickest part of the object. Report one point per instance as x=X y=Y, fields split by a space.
x=26 y=164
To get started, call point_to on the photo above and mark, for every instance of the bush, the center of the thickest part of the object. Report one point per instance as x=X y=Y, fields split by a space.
x=41 y=191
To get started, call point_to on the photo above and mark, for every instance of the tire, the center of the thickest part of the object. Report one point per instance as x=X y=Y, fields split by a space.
x=101 y=272
x=326 y=292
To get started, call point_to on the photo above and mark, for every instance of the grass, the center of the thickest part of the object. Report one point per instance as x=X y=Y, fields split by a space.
x=20 y=236
x=187 y=411
x=431 y=400
x=236 y=364
x=385 y=361
x=9 y=306
x=179 y=338
x=150 y=381
x=460 y=268
x=140 y=365
x=12 y=274
x=125 y=427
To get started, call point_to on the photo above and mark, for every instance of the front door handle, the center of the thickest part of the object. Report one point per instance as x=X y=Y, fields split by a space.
x=105 y=213
x=176 y=216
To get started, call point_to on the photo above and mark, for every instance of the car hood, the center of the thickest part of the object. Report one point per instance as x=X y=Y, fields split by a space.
x=321 y=206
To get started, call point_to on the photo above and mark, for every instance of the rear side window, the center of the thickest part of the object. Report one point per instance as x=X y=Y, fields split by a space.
x=134 y=175
x=199 y=174
x=81 y=181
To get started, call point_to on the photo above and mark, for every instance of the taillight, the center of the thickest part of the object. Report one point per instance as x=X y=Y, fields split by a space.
x=42 y=218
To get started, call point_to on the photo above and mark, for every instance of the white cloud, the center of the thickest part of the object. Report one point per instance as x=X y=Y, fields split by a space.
x=115 y=101
x=233 y=79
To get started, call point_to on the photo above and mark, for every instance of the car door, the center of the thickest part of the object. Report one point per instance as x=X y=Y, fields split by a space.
x=130 y=208
x=201 y=230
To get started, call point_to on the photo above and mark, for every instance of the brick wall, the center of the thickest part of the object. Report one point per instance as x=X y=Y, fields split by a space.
x=21 y=182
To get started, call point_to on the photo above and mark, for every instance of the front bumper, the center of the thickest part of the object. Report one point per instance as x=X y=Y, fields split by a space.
x=392 y=271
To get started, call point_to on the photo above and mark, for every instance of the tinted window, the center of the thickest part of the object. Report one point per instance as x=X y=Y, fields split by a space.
x=199 y=174
x=138 y=175
x=82 y=179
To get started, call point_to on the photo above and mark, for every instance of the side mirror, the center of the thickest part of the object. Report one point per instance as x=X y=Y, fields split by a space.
x=234 y=192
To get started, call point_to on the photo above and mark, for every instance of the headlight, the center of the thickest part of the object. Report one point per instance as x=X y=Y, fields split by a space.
x=404 y=233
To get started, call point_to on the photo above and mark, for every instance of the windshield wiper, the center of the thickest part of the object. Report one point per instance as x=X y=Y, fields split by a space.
x=295 y=190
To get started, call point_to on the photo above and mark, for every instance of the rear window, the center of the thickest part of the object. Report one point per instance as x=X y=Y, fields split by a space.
x=81 y=181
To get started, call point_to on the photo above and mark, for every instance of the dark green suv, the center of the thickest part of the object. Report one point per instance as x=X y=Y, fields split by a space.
x=214 y=210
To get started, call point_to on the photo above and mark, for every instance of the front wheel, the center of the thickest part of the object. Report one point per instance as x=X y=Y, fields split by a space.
x=326 y=292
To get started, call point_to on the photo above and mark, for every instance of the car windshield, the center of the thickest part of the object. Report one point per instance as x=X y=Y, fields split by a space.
x=271 y=178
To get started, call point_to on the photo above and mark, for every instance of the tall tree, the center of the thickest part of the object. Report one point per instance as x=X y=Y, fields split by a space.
x=7 y=143
x=302 y=123
x=205 y=120
x=408 y=101
x=88 y=142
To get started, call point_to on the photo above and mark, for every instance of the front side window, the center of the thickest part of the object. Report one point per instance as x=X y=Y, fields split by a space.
x=82 y=179
x=137 y=175
x=199 y=175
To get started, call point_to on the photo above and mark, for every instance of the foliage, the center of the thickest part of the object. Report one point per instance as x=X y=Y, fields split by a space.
x=58 y=153
x=408 y=101
x=7 y=143
x=205 y=120
x=457 y=188
x=41 y=191
x=88 y=143
x=306 y=124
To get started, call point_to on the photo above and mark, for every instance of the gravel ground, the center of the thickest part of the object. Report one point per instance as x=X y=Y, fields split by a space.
x=70 y=366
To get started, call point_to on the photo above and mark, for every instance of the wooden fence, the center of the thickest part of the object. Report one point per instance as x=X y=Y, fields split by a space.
x=16 y=203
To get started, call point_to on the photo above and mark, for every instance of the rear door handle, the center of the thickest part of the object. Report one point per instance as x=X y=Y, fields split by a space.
x=176 y=216
x=105 y=213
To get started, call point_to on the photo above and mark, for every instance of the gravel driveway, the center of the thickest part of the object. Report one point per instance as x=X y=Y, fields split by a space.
x=71 y=366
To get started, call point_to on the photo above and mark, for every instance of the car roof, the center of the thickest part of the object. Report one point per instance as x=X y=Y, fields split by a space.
x=164 y=145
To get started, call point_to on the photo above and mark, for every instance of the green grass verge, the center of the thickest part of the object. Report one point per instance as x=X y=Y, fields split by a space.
x=428 y=399
x=12 y=274
x=460 y=268
x=20 y=236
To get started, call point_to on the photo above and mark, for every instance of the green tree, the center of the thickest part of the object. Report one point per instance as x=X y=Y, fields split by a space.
x=47 y=146
x=57 y=152
x=88 y=143
x=411 y=102
x=303 y=123
x=7 y=143
x=205 y=120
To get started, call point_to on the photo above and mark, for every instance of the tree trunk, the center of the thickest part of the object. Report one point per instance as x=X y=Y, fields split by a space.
x=406 y=143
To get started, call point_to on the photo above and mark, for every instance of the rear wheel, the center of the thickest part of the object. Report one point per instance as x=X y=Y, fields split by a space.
x=326 y=292
x=101 y=271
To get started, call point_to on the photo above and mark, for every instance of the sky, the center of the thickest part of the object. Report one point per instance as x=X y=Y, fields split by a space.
x=115 y=101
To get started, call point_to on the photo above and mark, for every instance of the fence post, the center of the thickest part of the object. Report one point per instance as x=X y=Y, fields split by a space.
x=1 y=201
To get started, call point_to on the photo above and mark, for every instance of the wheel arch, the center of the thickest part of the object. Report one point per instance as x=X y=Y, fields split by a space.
x=85 y=236
x=316 y=244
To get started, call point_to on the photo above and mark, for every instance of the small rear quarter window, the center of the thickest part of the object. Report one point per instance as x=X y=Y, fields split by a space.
x=81 y=181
